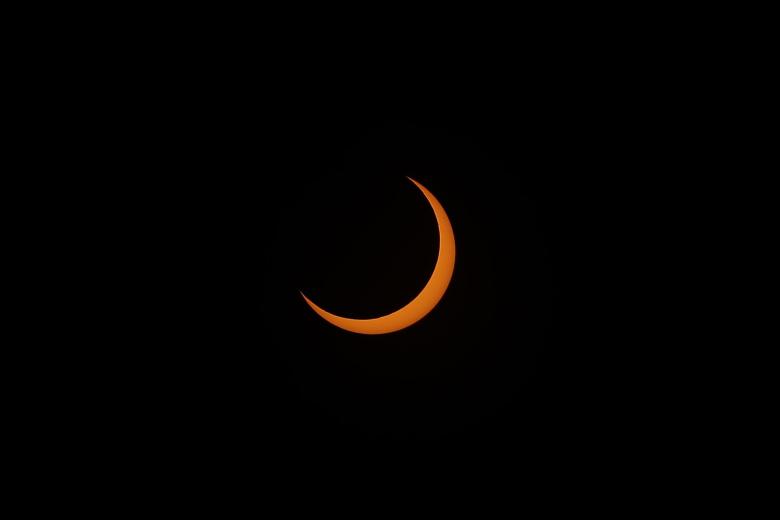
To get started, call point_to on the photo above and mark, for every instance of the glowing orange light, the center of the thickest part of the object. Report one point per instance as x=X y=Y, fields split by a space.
x=424 y=302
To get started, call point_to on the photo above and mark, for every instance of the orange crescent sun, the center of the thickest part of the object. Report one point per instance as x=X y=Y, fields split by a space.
x=424 y=302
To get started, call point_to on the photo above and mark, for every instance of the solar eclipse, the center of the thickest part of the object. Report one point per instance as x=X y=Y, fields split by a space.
x=428 y=297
